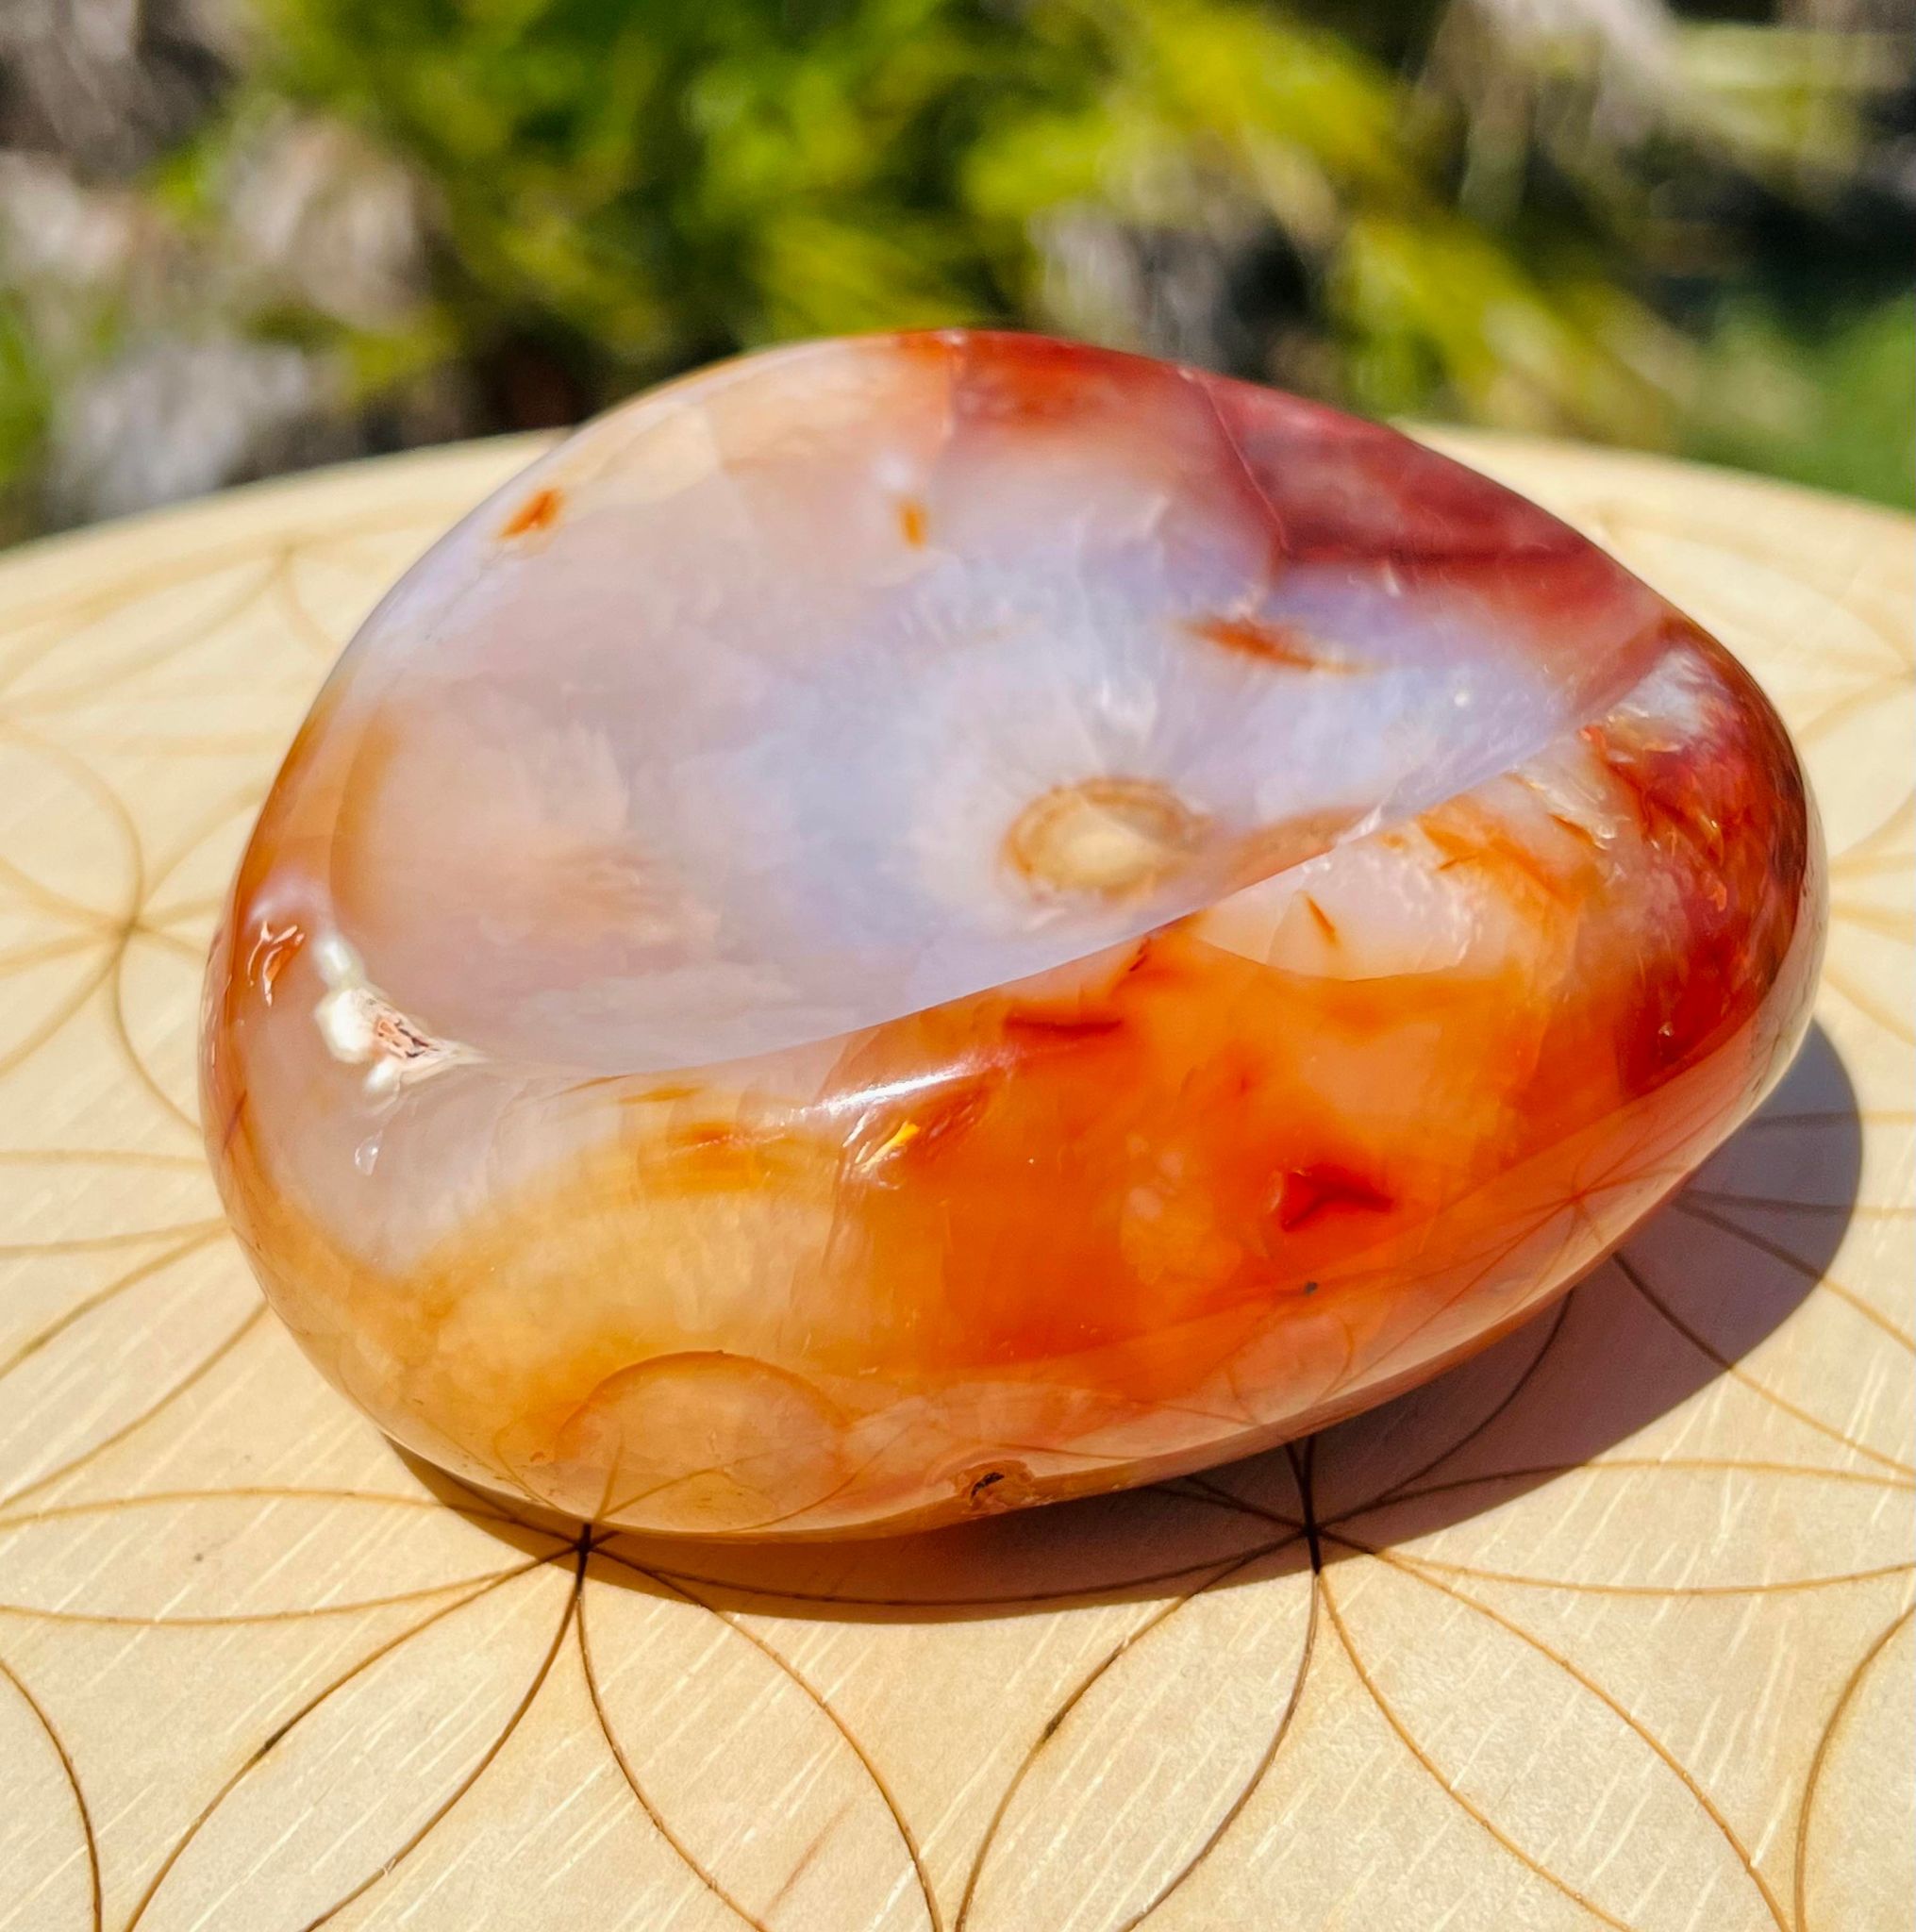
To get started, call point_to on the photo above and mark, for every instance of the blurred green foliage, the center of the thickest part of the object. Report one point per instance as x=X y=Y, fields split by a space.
x=1833 y=407
x=1410 y=209
x=645 y=187
x=23 y=400
x=639 y=188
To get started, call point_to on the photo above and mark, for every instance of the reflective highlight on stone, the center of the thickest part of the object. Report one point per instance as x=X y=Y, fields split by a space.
x=911 y=925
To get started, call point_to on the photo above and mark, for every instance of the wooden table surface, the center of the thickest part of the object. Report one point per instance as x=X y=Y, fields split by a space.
x=1608 y=1627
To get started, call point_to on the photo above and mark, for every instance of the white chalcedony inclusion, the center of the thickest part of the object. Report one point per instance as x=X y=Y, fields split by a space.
x=361 y=1026
x=759 y=719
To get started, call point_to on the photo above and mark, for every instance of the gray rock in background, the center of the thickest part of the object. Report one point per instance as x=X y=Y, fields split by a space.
x=108 y=84
x=157 y=336
x=171 y=417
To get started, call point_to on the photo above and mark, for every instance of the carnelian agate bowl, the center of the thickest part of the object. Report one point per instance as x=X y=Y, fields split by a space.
x=916 y=925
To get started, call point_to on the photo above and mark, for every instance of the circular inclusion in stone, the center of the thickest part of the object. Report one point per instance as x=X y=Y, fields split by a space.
x=911 y=925
x=1101 y=836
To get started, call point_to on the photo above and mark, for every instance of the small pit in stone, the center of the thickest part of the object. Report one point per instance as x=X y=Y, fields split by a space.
x=995 y=1486
x=1102 y=838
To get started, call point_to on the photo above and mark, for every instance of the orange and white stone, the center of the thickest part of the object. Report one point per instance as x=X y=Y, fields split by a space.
x=911 y=925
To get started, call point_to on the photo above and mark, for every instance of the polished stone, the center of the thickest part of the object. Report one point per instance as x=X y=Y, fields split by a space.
x=909 y=926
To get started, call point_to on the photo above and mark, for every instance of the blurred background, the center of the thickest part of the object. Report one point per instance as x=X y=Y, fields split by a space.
x=244 y=236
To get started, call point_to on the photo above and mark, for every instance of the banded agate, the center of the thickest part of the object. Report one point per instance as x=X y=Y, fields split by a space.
x=911 y=925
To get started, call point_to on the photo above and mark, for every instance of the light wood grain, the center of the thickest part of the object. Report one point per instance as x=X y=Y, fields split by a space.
x=1608 y=1627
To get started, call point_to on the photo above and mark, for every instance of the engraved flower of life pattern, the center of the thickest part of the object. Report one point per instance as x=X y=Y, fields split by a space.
x=1610 y=1627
